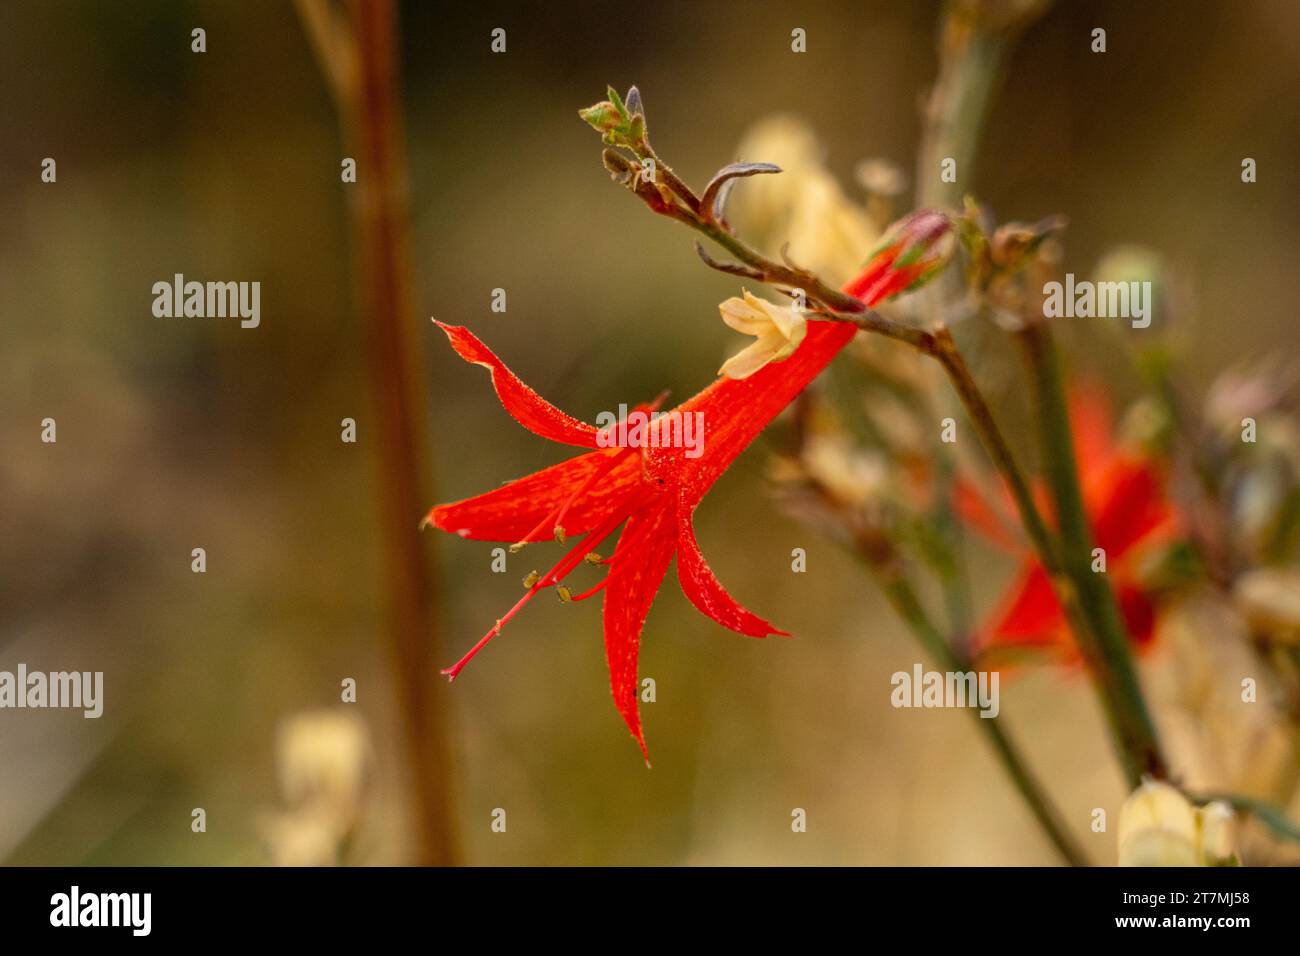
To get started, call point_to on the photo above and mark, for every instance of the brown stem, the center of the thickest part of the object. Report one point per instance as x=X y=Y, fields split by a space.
x=380 y=223
x=672 y=180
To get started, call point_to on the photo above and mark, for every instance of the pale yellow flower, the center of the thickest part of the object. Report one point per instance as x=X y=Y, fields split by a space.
x=854 y=477
x=1158 y=826
x=323 y=755
x=1216 y=743
x=803 y=206
x=777 y=329
x=325 y=761
x=1218 y=834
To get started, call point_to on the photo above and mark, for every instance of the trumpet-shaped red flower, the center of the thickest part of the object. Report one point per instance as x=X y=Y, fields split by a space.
x=1124 y=495
x=652 y=487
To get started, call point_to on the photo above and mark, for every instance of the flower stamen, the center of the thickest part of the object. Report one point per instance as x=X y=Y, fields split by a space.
x=552 y=577
x=593 y=590
x=553 y=519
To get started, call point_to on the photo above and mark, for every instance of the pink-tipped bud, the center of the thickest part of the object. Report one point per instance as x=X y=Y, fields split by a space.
x=914 y=251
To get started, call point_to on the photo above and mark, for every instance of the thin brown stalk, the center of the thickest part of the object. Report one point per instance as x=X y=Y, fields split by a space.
x=371 y=120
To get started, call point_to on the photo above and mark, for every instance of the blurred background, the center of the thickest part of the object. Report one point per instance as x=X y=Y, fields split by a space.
x=175 y=434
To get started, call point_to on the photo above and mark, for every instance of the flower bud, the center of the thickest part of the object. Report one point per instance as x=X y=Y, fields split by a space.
x=914 y=251
x=618 y=124
x=604 y=117
x=1218 y=834
x=1158 y=826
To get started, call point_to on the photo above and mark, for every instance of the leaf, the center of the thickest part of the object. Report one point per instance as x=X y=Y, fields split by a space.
x=617 y=101
x=634 y=101
x=726 y=174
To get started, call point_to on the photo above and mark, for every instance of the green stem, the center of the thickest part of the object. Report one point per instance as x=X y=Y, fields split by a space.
x=970 y=63
x=886 y=565
x=1104 y=641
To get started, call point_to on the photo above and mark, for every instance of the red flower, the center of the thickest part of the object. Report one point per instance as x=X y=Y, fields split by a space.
x=1128 y=513
x=653 y=486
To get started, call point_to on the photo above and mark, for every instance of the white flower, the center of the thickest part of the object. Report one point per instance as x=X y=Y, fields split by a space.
x=1158 y=826
x=323 y=755
x=778 y=330
x=804 y=207
x=324 y=759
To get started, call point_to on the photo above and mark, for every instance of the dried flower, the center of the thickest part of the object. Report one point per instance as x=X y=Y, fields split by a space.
x=1270 y=600
x=854 y=477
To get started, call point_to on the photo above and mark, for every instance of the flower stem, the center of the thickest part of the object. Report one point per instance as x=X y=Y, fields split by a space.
x=1104 y=640
x=358 y=51
x=1088 y=603
x=886 y=565
x=1086 y=599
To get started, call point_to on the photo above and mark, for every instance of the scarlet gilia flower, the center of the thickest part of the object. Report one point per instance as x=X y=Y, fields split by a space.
x=1129 y=514
x=650 y=485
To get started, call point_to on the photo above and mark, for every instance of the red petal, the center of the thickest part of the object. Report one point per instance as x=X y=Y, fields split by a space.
x=1139 y=613
x=514 y=510
x=876 y=288
x=525 y=406
x=634 y=580
x=702 y=587
x=1126 y=502
x=1090 y=426
x=736 y=410
x=1030 y=614
x=972 y=507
